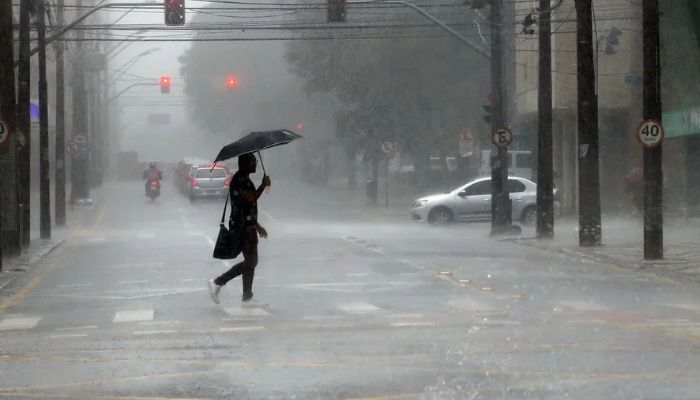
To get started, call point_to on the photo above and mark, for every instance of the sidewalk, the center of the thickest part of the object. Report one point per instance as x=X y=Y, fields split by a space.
x=623 y=246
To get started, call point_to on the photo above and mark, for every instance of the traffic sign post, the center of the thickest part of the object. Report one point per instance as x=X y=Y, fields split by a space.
x=650 y=133
x=503 y=137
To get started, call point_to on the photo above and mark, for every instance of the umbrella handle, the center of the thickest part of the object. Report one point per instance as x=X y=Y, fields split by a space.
x=267 y=189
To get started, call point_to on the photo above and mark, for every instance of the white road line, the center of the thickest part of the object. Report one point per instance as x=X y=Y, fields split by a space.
x=246 y=312
x=323 y=317
x=408 y=316
x=97 y=239
x=130 y=282
x=68 y=336
x=583 y=306
x=75 y=285
x=75 y=328
x=358 y=308
x=155 y=332
x=242 y=328
x=17 y=323
x=133 y=316
x=152 y=323
x=409 y=324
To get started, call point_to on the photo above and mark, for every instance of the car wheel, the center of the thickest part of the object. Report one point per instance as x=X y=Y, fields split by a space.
x=529 y=216
x=440 y=216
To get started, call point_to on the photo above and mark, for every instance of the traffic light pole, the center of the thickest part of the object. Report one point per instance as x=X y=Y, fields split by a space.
x=653 y=172
x=501 y=218
x=590 y=230
x=545 y=184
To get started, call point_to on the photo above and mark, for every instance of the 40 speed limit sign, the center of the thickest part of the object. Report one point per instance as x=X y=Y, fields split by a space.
x=650 y=133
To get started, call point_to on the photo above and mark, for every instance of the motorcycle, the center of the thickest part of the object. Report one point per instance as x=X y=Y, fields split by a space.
x=153 y=189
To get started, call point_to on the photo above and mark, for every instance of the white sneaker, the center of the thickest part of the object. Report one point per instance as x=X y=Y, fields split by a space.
x=214 y=290
x=252 y=303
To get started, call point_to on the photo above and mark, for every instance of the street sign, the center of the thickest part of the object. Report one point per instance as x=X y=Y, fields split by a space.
x=72 y=148
x=502 y=137
x=650 y=133
x=466 y=143
x=387 y=147
x=80 y=139
x=4 y=131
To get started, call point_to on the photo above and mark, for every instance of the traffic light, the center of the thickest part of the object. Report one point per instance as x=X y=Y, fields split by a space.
x=337 y=10
x=165 y=84
x=231 y=82
x=174 y=12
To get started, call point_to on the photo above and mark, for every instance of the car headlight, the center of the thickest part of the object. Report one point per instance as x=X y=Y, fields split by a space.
x=419 y=203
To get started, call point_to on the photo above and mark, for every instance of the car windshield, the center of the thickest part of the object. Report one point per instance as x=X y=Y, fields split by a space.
x=371 y=228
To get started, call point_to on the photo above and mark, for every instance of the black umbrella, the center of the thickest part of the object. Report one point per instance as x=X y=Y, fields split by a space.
x=255 y=142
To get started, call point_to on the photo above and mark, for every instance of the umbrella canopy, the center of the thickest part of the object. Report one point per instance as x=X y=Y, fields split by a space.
x=255 y=142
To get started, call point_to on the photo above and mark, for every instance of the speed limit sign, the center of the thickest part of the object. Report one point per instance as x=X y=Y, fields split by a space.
x=650 y=133
x=502 y=137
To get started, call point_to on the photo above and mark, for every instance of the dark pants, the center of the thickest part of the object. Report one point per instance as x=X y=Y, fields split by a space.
x=246 y=268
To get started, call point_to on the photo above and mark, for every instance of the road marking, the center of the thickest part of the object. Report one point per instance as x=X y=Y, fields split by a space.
x=97 y=239
x=242 y=328
x=75 y=285
x=583 y=306
x=410 y=324
x=130 y=282
x=133 y=316
x=246 y=312
x=34 y=281
x=17 y=323
x=358 y=308
x=155 y=332
x=145 y=235
x=75 y=328
x=68 y=336
x=152 y=323
x=196 y=279
x=399 y=316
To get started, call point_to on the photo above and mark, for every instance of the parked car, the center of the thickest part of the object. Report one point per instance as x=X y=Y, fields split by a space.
x=472 y=202
x=205 y=181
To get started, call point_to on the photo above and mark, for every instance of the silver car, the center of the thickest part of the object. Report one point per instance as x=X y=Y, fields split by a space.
x=472 y=202
x=208 y=182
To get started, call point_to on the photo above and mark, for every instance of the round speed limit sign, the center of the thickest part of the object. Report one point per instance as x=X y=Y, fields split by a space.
x=650 y=133
x=4 y=131
x=502 y=137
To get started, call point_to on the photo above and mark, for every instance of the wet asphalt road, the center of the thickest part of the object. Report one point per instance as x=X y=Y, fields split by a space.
x=361 y=306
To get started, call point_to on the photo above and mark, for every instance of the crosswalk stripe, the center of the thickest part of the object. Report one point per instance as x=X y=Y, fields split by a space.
x=583 y=306
x=246 y=312
x=242 y=328
x=17 y=323
x=68 y=336
x=133 y=316
x=155 y=332
x=358 y=308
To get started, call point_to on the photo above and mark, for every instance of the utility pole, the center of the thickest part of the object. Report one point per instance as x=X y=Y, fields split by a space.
x=653 y=172
x=9 y=208
x=501 y=218
x=79 y=163
x=44 y=180
x=60 y=168
x=590 y=229
x=545 y=184
x=24 y=126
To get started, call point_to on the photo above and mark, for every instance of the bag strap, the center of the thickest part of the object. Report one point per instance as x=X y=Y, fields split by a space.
x=223 y=216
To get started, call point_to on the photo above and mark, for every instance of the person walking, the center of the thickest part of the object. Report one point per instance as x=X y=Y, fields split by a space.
x=244 y=219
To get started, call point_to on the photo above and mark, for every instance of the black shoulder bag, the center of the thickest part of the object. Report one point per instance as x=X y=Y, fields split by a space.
x=228 y=243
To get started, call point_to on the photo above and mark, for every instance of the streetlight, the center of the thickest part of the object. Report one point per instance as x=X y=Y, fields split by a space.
x=133 y=60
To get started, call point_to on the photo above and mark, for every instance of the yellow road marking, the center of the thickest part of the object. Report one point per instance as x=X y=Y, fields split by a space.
x=17 y=297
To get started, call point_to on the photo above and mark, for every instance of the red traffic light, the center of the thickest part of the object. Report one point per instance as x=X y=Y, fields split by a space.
x=299 y=126
x=231 y=82
x=165 y=84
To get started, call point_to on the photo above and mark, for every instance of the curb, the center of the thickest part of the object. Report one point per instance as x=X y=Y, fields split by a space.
x=15 y=267
x=642 y=266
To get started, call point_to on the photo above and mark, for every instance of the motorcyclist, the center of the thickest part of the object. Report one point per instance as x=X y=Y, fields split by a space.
x=152 y=173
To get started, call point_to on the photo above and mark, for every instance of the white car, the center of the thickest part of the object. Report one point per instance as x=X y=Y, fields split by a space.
x=472 y=202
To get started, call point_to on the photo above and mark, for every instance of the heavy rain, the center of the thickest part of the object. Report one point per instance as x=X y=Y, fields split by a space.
x=356 y=200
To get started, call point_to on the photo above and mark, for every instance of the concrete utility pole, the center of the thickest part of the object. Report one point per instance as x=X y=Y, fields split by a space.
x=653 y=171
x=9 y=207
x=44 y=180
x=60 y=168
x=24 y=127
x=501 y=218
x=545 y=180
x=590 y=229
x=79 y=163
